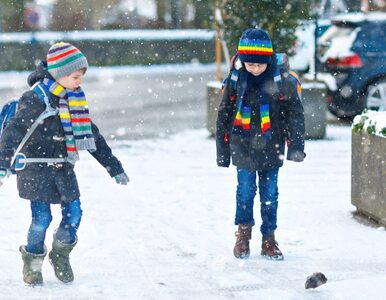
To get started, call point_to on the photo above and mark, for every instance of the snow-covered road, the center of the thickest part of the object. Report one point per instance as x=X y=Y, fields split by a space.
x=169 y=234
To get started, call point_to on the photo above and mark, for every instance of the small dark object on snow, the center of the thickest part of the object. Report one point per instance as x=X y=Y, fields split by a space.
x=315 y=280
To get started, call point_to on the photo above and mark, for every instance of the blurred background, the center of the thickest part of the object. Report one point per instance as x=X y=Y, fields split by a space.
x=280 y=18
x=158 y=56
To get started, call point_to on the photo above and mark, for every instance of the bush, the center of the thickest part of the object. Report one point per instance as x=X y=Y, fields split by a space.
x=372 y=122
x=279 y=18
x=22 y=55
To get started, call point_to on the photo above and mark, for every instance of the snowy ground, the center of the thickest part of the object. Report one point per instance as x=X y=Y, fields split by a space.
x=169 y=234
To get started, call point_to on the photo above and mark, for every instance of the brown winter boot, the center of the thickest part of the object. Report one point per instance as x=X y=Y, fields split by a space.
x=243 y=234
x=270 y=249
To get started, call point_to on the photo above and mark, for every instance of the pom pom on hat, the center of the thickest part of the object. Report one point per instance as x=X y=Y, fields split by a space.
x=64 y=59
x=255 y=46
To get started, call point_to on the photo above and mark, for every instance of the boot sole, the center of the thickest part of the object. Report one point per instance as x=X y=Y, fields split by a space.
x=33 y=284
x=242 y=255
x=275 y=258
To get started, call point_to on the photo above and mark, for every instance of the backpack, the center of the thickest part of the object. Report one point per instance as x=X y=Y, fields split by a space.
x=282 y=70
x=9 y=110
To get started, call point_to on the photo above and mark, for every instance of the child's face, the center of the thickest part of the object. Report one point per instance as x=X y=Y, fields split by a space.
x=72 y=81
x=255 y=69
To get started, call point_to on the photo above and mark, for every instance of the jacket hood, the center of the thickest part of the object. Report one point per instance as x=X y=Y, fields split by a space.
x=39 y=74
x=270 y=71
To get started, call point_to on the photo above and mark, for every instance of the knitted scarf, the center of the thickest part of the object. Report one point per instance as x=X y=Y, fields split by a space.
x=74 y=115
x=242 y=122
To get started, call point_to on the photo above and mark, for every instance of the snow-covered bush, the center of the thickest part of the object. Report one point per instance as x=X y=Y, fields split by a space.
x=372 y=122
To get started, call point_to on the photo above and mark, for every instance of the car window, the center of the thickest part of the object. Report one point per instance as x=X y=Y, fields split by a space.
x=334 y=32
x=372 y=38
x=336 y=40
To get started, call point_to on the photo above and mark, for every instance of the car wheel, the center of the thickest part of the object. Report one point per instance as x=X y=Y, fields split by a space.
x=376 y=95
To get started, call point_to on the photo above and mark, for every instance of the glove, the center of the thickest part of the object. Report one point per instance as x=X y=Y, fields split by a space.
x=223 y=161
x=3 y=174
x=122 y=178
x=297 y=156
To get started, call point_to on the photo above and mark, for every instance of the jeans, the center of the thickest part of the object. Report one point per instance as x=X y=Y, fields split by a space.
x=41 y=219
x=246 y=191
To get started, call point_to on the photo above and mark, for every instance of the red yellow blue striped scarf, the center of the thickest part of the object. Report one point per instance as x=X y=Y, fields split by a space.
x=74 y=115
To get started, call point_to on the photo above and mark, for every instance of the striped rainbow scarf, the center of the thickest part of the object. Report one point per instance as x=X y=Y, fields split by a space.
x=76 y=122
x=243 y=117
x=265 y=121
x=242 y=122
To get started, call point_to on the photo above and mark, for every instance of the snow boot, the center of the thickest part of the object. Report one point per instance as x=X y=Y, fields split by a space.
x=32 y=268
x=270 y=249
x=243 y=234
x=60 y=260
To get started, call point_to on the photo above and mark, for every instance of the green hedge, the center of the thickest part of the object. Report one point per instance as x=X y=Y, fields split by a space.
x=16 y=55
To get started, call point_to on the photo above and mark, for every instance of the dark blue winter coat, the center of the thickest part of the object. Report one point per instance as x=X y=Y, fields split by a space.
x=40 y=181
x=287 y=121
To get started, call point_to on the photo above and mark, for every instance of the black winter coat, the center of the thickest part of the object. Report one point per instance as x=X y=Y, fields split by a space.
x=287 y=121
x=40 y=181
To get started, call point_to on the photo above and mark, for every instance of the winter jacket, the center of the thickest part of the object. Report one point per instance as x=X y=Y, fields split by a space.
x=286 y=119
x=41 y=181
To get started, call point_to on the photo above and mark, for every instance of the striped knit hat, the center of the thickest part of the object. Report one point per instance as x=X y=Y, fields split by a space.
x=255 y=46
x=64 y=59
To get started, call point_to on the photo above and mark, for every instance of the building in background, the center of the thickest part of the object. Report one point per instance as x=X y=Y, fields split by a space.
x=54 y=15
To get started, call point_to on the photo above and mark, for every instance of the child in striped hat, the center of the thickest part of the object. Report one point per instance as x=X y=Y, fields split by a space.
x=50 y=153
x=251 y=126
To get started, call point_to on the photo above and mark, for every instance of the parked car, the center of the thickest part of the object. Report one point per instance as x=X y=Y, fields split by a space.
x=302 y=54
x=352 y=62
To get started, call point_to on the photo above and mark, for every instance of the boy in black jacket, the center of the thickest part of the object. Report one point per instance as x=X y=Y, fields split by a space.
x=46 y=174
x=253 y=123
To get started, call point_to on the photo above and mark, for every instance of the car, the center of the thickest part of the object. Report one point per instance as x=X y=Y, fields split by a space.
x=351 y=60
x=302 y=53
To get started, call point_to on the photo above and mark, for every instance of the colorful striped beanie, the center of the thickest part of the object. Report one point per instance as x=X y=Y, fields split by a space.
x=255 y=46
x=64 y=59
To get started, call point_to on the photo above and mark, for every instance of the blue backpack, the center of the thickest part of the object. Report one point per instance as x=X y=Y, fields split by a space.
x=7 y=112
x=10 y=108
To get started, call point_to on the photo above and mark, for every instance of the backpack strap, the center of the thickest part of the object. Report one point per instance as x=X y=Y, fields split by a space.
x=236 y=66
x=296 y=79
x=282 y=70
x=40 y=89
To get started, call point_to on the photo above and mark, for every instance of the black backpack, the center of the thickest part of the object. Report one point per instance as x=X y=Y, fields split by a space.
x=282 y=70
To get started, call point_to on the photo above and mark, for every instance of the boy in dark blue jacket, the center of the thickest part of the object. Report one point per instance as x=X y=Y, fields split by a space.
x=47 y=174
x=255 y=118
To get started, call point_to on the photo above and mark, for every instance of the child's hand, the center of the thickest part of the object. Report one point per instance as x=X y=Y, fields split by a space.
x=122 y=178
x=223 y=162
x=297 y=156
x=3 y=174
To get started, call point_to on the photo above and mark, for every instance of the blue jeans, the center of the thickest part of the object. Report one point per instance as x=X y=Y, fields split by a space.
x=245 y=195
x=41 y=219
